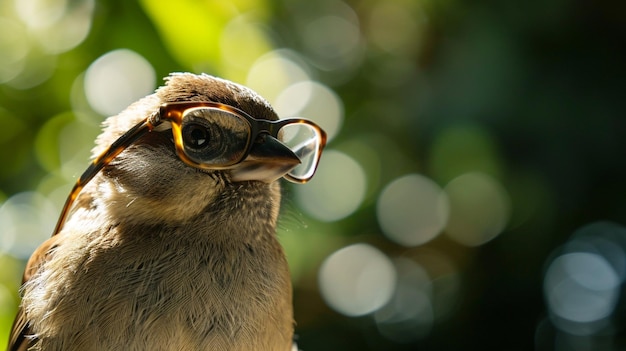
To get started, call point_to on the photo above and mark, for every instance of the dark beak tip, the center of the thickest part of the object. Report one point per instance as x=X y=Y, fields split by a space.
x=268 y=160
x=272 y=150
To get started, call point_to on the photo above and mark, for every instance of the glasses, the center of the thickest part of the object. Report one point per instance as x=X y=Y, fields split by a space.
x=211 y=135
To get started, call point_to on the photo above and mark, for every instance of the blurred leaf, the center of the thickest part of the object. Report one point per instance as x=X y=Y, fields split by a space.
x=193 y=30
x=188 y=30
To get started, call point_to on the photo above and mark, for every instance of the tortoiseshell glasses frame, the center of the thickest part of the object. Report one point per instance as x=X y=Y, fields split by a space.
x=234 y=130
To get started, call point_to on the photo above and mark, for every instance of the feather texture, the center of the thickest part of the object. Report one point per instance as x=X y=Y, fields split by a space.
x=158 y=255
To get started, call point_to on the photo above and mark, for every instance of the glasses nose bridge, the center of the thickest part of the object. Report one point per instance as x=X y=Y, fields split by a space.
x=264 y=126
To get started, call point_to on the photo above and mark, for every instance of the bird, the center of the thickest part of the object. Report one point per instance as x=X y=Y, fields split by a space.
x=168 y=240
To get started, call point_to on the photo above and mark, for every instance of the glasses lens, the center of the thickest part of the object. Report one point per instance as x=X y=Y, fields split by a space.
x=214 y=137
x=304 y=141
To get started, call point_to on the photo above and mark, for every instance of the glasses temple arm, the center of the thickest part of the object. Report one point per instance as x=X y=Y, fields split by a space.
x=100 y=162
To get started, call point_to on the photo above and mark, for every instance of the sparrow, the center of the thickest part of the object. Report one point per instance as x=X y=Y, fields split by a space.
x=168 y=240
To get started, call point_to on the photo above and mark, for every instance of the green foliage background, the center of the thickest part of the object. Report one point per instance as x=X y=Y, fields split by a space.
x=530 y=93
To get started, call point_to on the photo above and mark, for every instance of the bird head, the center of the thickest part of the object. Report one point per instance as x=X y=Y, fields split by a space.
x=157 y=177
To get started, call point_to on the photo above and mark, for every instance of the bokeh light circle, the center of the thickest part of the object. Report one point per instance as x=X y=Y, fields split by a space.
x=40 y=13
x=394 y=27
x=28 y=219
x=242 y=41
x=357 y=280
x=331 y=37
x=314 y=101
x=412 y=210
x=57 y=25
x=117 y=79
x=409 y=315
x=13 y=48
x=479 y=209
x=581 y=287
x=273 y=72
x=607 y=239
x=336 y=191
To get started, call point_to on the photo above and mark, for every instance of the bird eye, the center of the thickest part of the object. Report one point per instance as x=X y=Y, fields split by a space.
x=195 y=136
x=213 y=137
x=204 y=141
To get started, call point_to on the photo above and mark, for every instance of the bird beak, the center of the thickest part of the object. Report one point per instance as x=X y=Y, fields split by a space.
x=268 y=160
